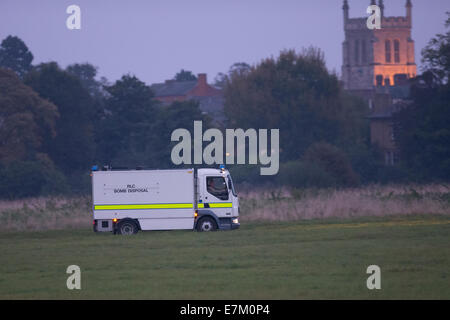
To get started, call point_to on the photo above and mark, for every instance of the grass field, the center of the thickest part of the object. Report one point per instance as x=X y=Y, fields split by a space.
x=315 y=259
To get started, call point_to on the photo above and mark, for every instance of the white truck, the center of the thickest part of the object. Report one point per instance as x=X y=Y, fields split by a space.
x=126 y=201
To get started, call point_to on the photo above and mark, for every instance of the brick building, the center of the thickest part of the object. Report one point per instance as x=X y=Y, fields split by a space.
x=386 y=102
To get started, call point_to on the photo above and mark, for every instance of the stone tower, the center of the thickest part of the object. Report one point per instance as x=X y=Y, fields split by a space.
x=378 y=57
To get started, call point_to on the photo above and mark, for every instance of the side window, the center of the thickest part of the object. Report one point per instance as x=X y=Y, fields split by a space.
x=364 y=51
x=397 y=51
x=357 y=51
x=387 y=46
x=217 y=187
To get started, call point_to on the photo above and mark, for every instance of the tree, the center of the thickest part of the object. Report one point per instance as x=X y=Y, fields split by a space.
x=296 y=94
x=422 y=129
x=436 y=56
x=239 y=68
x=26 y=119
x=423 y=134
x=126 y=128
x=221 y=79
x=184 y=75
x=14 y=55
x=87 y=74
x=137 y=129
x=333 y=161
x=168 y=118
x=72 y=149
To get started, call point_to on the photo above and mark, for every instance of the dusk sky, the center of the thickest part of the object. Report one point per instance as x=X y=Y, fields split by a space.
x=154 y=39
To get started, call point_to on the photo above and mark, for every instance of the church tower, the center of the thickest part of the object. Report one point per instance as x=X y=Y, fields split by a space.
x=378 y=57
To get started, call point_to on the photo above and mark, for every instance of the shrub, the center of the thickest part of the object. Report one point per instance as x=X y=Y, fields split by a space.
x=298 y=174
x=22 y=179
x=333 y=161
x=248 y=174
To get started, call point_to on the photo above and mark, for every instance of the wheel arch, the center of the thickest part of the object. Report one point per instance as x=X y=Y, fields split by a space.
x=207 y=213
x=135 y=221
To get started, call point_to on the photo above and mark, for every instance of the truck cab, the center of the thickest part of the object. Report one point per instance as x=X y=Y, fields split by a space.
x=217 y=201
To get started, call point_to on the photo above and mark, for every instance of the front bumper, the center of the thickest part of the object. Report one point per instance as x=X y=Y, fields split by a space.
x=228 y=223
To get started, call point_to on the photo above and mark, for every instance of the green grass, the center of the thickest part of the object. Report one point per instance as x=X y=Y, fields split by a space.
x=297 y=260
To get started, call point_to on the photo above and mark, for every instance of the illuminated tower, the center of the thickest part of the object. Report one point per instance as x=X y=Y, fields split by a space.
x=379 y=57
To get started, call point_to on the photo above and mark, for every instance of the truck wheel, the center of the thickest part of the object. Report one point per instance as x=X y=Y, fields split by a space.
x=127 y=227
x=206 y=224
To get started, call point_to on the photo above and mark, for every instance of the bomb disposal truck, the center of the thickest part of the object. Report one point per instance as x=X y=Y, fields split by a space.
x=126 y=201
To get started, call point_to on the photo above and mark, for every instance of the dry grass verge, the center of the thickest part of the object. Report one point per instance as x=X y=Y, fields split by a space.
x=45 y=213
x=371 y=201
x=260 y=205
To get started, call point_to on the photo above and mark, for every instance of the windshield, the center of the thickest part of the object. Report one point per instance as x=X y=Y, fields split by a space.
x=231 y=186
x=217 y=187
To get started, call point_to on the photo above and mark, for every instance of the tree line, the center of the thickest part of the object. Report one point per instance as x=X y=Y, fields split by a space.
x=56 y=122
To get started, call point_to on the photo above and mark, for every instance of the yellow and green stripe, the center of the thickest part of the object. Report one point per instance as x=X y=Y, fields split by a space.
x=143 y=206
x=216 y=205
x=160 y=206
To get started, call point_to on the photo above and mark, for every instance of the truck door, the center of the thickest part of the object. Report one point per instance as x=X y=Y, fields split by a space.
x=233 y=196
x=217 y=196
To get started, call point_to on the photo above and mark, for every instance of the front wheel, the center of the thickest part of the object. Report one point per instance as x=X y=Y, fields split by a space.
x=127 y=227
x=206 y=224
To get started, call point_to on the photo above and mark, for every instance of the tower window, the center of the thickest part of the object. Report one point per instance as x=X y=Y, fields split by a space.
x=357 y=51
x=363 y=51
x=397 y=51
x=388 y=50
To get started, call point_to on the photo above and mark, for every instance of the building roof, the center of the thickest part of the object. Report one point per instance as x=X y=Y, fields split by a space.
x=209 y=98
x=195 y=88
x=173 y=88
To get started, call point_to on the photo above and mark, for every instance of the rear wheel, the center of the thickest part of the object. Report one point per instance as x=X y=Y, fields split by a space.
x=206 y=224
x=127 y=227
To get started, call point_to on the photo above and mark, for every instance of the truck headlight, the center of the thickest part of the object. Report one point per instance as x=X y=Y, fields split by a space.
x=235 y=220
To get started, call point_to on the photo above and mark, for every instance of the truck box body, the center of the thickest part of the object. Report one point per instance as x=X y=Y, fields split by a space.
x=159 y=199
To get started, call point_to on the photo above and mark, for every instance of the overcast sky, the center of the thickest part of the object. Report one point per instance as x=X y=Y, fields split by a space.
x=154 y=39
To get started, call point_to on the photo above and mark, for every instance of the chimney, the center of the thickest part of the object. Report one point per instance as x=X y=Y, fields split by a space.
x=201 y=82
